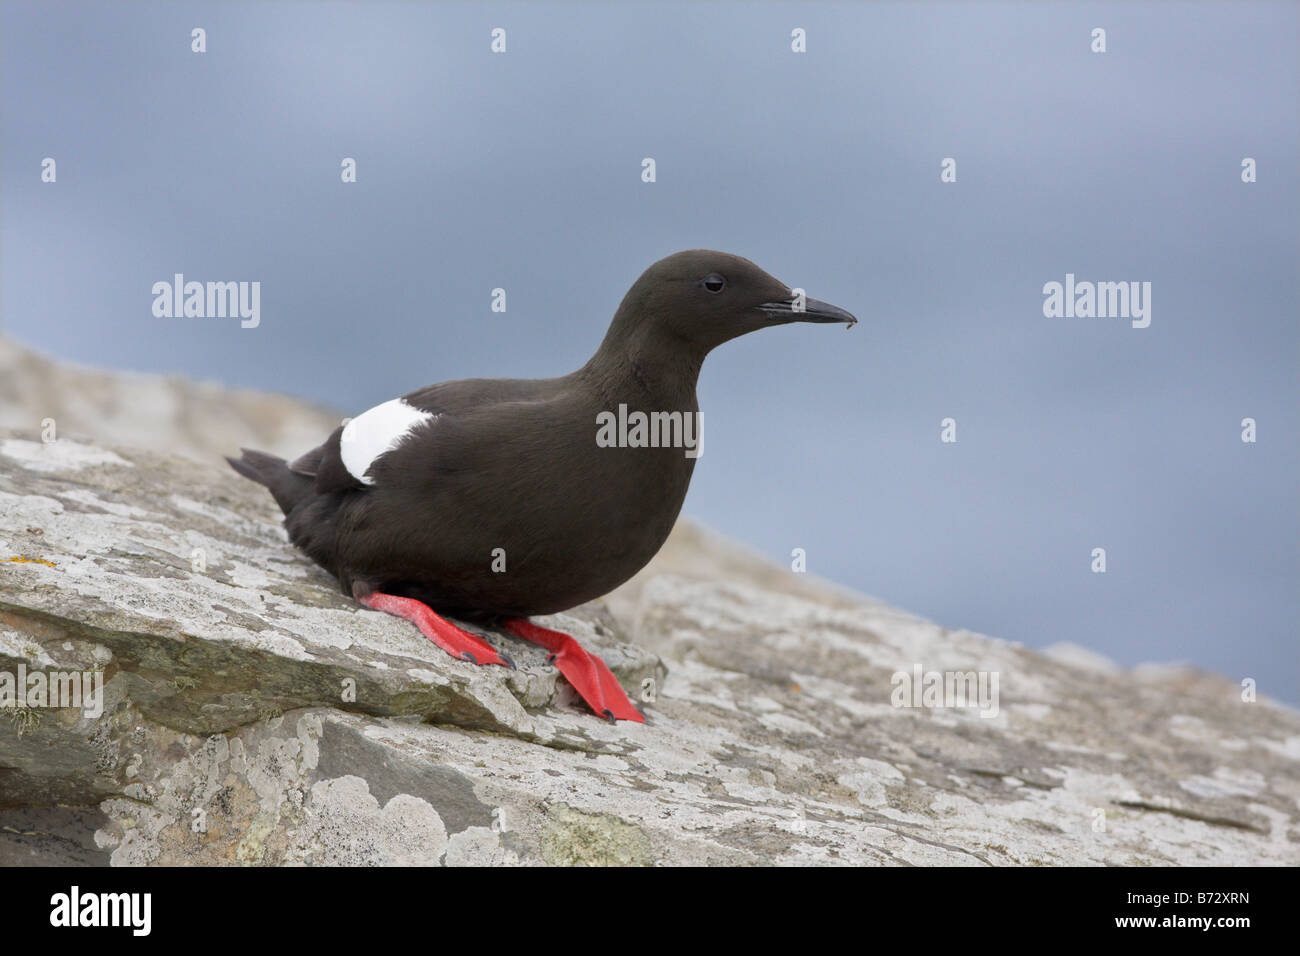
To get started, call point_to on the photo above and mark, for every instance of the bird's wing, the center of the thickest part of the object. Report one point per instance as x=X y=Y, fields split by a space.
x=345 y=459
x=325 y=464
x=308 y=463
x=466 y=395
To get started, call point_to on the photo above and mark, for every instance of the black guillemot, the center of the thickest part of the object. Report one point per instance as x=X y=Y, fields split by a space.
x=496 y=499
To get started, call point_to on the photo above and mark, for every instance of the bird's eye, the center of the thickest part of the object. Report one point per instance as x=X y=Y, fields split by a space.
x=714 y=282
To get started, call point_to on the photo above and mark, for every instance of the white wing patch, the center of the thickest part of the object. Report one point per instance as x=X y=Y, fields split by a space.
x=374 y=432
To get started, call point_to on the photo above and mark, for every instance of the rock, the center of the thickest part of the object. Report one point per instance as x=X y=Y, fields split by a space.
x=174 y=579
x=252 y=715
x=201 y=420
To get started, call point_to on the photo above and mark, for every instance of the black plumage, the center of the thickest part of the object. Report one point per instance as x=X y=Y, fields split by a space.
x=514 y=464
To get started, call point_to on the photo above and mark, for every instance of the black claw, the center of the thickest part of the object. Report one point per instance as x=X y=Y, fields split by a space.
x=509 y=662
x=609 y=715
x=469 y=656
x=551 y=659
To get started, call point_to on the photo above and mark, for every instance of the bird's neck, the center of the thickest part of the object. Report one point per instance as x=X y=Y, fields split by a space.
x=637 y=368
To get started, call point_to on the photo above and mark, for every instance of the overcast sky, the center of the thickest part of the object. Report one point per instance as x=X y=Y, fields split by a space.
x=523 y=170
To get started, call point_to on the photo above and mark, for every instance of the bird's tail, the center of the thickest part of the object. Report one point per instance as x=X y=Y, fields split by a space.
x=287 y=487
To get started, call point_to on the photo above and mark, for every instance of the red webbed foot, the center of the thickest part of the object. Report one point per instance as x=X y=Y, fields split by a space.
x=588 y=674
x=460 y=644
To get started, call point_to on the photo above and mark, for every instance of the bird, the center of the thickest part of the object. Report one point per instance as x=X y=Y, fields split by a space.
x=496 y=500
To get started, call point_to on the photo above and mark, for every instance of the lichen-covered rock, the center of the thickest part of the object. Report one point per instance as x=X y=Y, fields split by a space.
x=200 y=420
x=176 y=583
x=253 y=716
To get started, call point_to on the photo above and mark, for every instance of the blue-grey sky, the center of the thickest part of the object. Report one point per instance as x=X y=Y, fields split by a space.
x=522 y=170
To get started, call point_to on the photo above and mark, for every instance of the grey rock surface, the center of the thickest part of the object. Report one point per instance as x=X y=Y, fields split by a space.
x=253 y=715
x=199 y=420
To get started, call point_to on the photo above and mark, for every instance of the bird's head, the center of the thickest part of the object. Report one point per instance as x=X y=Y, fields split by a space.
x=706 y=298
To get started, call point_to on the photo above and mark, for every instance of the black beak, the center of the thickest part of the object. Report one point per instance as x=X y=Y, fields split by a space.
x=813 y=310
